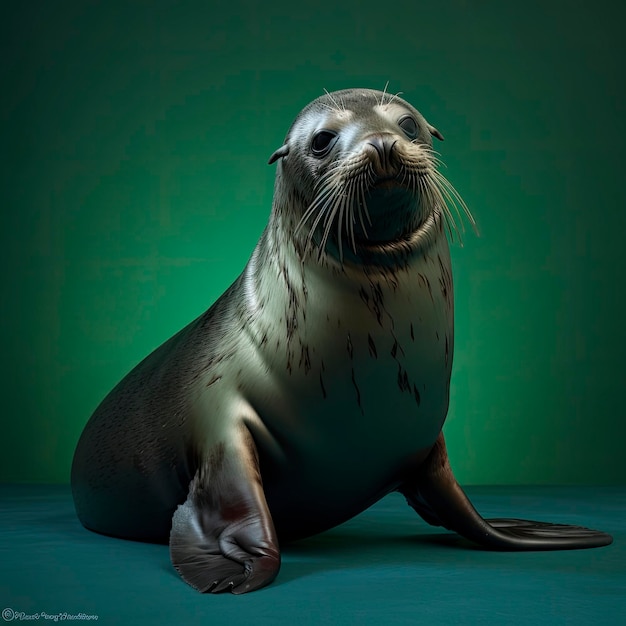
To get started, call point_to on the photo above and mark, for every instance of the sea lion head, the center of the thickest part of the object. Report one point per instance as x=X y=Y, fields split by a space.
x=358 y=177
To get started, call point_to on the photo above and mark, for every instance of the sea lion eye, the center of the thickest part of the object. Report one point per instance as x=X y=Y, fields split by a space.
x=323 y=141
x=409 y=126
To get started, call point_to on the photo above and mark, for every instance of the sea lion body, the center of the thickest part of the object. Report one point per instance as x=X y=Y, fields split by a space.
x=313 y=405
x=317 y=383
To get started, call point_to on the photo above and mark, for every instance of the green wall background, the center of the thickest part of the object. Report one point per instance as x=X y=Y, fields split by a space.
x=134 y=186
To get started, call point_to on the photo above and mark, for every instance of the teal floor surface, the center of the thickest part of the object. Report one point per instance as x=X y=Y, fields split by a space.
x=384 y=567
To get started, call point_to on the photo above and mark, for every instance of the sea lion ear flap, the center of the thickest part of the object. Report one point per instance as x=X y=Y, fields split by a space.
x=434 y=132
x=281 y=152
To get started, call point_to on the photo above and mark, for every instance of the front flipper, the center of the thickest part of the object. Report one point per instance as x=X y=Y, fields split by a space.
x=223 y=537
x=435 y=494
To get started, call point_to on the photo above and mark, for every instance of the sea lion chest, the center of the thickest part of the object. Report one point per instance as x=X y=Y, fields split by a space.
x=356 y=366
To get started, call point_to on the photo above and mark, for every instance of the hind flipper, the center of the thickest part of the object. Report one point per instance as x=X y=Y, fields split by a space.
x=223 y=537
x=435 y=494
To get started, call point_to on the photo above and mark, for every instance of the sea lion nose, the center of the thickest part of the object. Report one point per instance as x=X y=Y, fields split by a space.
x=382 y=154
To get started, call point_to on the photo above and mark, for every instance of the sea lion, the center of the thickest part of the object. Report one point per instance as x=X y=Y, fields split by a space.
x=318 y=382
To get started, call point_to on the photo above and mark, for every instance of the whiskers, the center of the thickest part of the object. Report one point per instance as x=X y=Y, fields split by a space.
x=438 y=192
x=340 y=200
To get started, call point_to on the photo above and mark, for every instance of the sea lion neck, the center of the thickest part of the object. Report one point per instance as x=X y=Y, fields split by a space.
x=384 y=256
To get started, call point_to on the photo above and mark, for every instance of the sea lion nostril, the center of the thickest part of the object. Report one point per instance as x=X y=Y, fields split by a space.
x=384 y=161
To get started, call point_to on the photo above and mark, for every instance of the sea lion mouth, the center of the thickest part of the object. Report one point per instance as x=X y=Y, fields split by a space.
x=355 y=207
x=396 y=213
x=387 y=183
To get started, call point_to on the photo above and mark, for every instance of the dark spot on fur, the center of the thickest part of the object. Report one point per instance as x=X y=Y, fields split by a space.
x=396 y=348
x=213 y=380
x=372 y=346
x=403 y=379
x=373 y=301
x=378 y=306
x=416 y=394
x=305 y=359
x=349 y=347
x=412 y=333
x=423 y=279
x=293 y=302
x=358 y=392
x=445 y=281
x=322 y=385
x=391 y=280
x=292 y=325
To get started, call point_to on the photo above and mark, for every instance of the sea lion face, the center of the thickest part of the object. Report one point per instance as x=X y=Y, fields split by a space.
x=360 y=175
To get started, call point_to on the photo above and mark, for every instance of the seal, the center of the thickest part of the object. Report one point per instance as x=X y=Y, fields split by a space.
x=318 y=382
